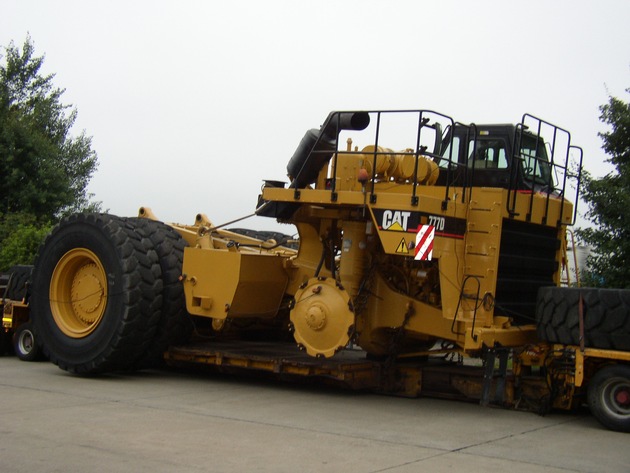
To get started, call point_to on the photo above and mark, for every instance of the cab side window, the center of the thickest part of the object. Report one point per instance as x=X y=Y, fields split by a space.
x=449 y=153
x=488 y=154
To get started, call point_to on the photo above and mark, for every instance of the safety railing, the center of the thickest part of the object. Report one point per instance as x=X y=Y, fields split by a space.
x=542 y=165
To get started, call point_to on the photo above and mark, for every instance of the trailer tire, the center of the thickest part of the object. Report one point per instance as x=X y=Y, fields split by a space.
x=25 y=344
x=175 y=325
x=606 y=316
x=96 y=294
x=609 y=397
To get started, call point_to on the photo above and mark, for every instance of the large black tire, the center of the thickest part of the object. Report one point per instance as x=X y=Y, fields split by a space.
x=609 y=397
x=606 y=314
x=96 y=294
x=25 y=344
x=17 y=286
x=175 y=325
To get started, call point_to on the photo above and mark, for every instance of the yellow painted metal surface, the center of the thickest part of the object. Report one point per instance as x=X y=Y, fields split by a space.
x=597 y=356
x=466 y=250
x=322 y=317
x=223 y=283
x=78 y=293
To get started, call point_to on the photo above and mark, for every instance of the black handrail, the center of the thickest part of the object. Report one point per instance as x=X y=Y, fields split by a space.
x=554 y=166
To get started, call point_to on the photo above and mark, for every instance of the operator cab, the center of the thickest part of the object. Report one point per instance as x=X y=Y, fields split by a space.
x=503 y=156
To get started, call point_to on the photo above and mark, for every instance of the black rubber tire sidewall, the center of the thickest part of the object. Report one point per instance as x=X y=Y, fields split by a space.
x=122 y=334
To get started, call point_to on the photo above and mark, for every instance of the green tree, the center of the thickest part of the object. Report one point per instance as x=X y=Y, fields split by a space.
x=608 y=199
x=44 y=171
x=23 y=235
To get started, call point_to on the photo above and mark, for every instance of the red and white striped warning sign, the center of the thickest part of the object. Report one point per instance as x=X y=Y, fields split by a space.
x=424 y=242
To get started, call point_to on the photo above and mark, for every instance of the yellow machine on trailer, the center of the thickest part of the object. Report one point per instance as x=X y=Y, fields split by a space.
x=419 y=238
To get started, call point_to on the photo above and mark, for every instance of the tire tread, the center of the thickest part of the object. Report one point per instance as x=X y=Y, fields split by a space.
x=606 y=316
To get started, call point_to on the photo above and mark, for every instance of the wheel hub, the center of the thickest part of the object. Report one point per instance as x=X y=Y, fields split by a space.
x=316 y=317
x=26 y=342
x=623 y=397
x=87 y=293
x=322 y=317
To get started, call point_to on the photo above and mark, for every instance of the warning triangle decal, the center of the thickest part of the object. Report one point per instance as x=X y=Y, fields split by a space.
x=402 y=247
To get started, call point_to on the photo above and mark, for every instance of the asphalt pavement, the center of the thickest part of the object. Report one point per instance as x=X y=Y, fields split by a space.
x=182 y=421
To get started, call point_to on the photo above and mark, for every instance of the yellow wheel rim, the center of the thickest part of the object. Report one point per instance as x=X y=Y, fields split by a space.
x=78 y=293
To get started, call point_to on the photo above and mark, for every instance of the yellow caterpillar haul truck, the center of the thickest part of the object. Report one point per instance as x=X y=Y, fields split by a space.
x=420 y=239
x=447 y=242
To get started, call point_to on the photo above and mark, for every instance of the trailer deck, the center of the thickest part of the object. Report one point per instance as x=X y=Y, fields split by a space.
x=432 y=376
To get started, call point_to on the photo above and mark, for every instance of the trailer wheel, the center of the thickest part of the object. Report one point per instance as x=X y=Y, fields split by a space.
x=606 y=316
x=96 y=294
x=175 y=325
x=24 y=343
x=609 y=397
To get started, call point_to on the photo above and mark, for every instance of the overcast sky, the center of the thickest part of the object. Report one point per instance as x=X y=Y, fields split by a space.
x=191 y=104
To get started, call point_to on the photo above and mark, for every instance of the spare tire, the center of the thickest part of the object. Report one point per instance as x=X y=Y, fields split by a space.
x=96 y=294
x=606 y=316
x=17 y=285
